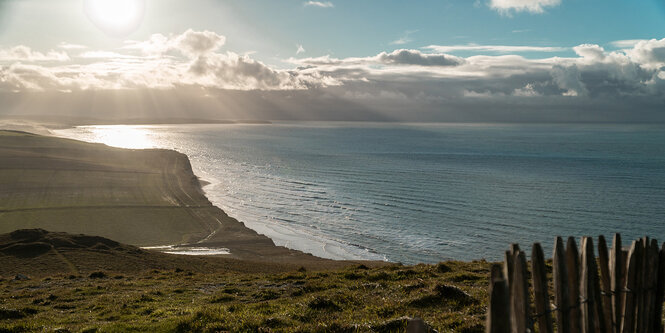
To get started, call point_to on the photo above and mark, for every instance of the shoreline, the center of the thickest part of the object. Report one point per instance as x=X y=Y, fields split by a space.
x=243 y=242
x=319 y=245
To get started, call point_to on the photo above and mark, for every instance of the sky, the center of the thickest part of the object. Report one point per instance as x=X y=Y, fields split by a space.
x=438 y=60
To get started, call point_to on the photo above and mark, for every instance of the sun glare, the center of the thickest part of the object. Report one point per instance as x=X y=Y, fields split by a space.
x=131 y=137
x=116 y=17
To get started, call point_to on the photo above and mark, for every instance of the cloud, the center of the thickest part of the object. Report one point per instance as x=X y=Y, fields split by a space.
x=189 y=43
x=405 y=38
x=627 y=43
x=414 y=57
x=105 y=55
x=400 y=57
x=430 y=84
x=531 y=6
x=233 y=71
x=526 y=91
x=24 y=53
x=199 y=42
x=493 y=48
x=320 y=4
x=590 y=51
x=69 y=46
x=651 y=53
x=161 y=62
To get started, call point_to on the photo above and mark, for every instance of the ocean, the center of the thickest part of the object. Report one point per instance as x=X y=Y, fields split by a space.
x=416 y=193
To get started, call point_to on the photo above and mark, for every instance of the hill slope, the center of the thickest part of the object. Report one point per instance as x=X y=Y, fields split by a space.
x=138 y=197
x=37 y=252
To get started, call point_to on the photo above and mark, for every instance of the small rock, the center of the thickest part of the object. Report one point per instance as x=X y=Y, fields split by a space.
x=417 y=325
x=21 y=277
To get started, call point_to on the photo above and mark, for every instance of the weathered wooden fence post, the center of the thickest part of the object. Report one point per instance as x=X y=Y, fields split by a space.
x=650 y=288
x=561 y=292
x=643 y=281
x=629 y=304
x=498 y=314
x=519 y=309
x=541 y=296
x=617 y=269
x=660 y=291
x=573 y=266
x=592 y=315
x=606 y=291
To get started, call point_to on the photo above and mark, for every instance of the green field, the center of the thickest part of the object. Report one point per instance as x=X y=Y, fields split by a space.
x=450 y=297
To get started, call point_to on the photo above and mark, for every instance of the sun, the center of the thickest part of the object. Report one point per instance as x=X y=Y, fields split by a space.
x=115 y=17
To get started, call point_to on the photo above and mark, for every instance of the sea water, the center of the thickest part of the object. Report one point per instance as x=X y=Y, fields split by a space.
x=420 y=192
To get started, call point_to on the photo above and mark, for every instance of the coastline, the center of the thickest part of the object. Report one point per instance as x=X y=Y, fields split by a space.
x=229 y=233
x=282 y=234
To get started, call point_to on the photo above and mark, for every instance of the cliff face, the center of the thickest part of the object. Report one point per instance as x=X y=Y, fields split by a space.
x=139 y=197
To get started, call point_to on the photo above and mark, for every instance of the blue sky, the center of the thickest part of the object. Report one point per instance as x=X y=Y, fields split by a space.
x=273 y=29
x=460 y=55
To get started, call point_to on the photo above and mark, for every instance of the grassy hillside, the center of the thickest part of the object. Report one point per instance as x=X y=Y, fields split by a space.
x=89 y=283
x=450 y=297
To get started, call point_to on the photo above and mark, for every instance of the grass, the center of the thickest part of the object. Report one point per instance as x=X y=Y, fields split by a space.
x=355 y=299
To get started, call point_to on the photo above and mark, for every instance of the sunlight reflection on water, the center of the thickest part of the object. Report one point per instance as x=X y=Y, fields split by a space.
x=122 y=136
x=190 y=251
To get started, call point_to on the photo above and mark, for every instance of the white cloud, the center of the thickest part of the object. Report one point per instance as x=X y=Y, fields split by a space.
x=405 y=38
x=190 y=42
x=494 y=48
x=69 y=46
x=651 y=53
x=105 y=55
x=199 y=42
x=531 y=6
x=24 y=53
x=526 y=91
x=478 y=94
x=590 y=52
x=626 y=43
x=320 y=4
x=161 y=62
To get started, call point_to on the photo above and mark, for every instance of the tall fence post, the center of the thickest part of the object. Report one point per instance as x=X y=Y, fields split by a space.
x=541 y=296
x=629 y=303
x=617 y=269
x=606 y=293
x=642 y=281
x=519 y=309
x=650 y=289
x=498 y=317
x=573 y=266
x=660 y=291
x=561 y=292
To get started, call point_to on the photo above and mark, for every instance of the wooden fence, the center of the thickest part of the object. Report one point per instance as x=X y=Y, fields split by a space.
x=623 y=295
